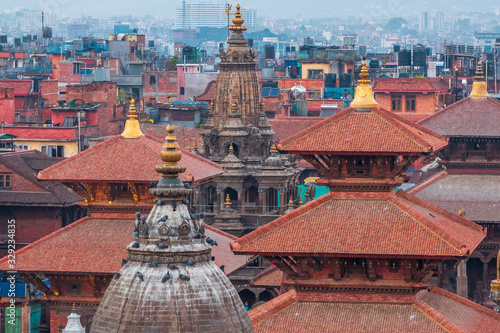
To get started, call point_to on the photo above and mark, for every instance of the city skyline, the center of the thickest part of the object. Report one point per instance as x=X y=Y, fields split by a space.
x=393 y=8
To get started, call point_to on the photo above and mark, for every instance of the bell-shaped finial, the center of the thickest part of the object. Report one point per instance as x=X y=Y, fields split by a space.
x=132 y=128
x=363 y=97
x=479 y=90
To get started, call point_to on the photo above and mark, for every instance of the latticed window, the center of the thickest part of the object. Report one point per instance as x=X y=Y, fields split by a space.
x=396 y=102
x=5 y=181
x=411 y=101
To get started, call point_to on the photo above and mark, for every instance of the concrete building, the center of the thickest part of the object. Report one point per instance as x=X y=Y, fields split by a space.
x=486 y=41
x=208 y=14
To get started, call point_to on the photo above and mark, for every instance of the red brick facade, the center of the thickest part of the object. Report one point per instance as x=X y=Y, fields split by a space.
x=7 y=106
x=159 y=86
x=49 y=91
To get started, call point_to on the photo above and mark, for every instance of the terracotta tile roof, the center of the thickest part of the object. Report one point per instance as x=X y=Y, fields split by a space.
x=92 y=245
x=467 y=118
x=433 y=310
x=286 y=314
x=126 y=160
x=286 y=127
x=378 y=131
x=26 y=164
x=223 y=253
x=346 y=223
x=409 y=85
x=463 y=313
x=270 y=277
x=209 y=93
x=413 y=117
x=478 y=194
x=185 y=135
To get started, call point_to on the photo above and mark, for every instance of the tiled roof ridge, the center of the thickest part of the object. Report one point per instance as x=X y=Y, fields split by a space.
x=397 y=120
x=427 y=182
x=410 y=81
x=272 y=307
x=460 y=247
x=48 y=237
x=442 y=211
x=464 y=301
x=281 y=220
x=451 y=107
x=437 y=317
x=314 y=127
x=71 y=158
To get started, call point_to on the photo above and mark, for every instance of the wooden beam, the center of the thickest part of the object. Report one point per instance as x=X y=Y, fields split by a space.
x=322 y=169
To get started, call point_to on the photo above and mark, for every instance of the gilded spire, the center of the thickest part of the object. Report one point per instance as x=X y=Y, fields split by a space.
x=132 y=128
x=170 y=155
x=479 y=85
x=273 y=150
x=238 y=21
x=363 y=97
x=234 y=107
x=228 y=202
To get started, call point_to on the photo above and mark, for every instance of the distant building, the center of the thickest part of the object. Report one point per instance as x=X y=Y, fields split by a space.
x=77 y=30
x=486 y=41
x=208 y=14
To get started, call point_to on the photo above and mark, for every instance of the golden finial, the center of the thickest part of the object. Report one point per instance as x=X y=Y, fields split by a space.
x=231 y=149
x=234 y=107
x=363 y=97
x=461 y=212
x=479 y=90
x=228 y=202
x=170 y=155
x=262 y=106
x=74 y=307
x=195 y=146
x=212 y=105
x=132 y=128
x=495 y=284
x=238 y=21
x=307 y=193
x=189 y=149
x=273 y=150
x=290 y=204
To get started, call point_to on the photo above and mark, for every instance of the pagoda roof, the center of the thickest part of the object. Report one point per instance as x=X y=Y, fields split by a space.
x=350 y=131
x=468 y=117
x=433 y=310
x=477 y=194
x=123 y=160
x=369 y=224
x=97 y=246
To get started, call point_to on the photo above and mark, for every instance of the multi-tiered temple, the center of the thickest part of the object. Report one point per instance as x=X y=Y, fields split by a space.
x=238 y=120
x=360 y=258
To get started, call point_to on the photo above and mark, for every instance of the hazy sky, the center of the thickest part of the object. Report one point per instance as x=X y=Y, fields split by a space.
x=306 y=8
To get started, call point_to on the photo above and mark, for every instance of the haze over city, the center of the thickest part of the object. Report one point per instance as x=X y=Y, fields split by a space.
x=280 y=8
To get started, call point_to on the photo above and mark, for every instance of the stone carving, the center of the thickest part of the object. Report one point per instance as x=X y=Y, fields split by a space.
x=164 y=230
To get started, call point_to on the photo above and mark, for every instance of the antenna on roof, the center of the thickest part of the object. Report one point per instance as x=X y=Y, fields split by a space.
x=228 y=8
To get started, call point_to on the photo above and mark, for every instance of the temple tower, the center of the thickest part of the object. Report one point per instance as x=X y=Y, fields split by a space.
x=239 y=137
